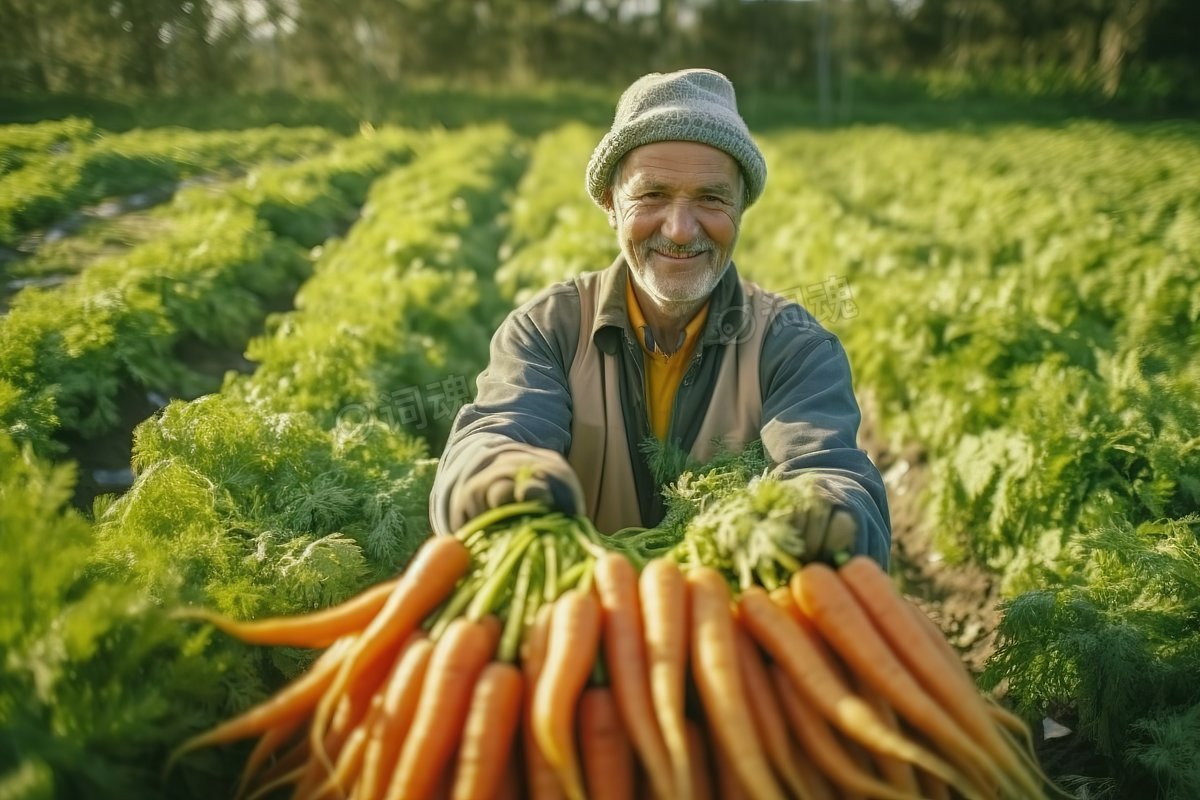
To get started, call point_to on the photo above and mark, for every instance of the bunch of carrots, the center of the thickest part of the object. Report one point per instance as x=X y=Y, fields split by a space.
x=528 y=656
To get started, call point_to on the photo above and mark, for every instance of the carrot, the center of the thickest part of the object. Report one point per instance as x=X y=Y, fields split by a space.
x=510 y=784
x=349 y=711
x=348 y=768
x=276 y=783
x=458 y=659
x=898 y=773
x=605 y=746
x=625 y=657
x=429 y=578
x=664 y=599
x=765 y=713
x=543 y=782
x=796 y=652
x=489 y=732
x=715 y=671
x=267 y=744
x=388 y=731
x=932 y=786
x=818 y=741
x=815 y=783
x=833 y=604
x=571 y=649
x=318 y=629
x=698 y=760
x=728 y=786
x=290 y=704
x=1014 y=729
x=293 y=759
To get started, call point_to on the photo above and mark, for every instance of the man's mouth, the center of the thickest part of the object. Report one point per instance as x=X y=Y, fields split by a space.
x=681 y=258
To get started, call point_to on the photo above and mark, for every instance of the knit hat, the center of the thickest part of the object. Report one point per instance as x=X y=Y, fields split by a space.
x=692 y=105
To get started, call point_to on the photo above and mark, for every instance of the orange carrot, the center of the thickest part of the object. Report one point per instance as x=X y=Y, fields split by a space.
x=795 y=651
x=604 y=744
x=348 y=769
x=318 y=629
x=267 y=744
x=698 y=760
x=458 y=659
x=570 y=655
x=543 y=783
x=276 y=783
x=898 y=773
x=664 y=599
x=294 y=702
x=489 y=732
x=933 y=787
x=831 y=605
x=293 y=759
x=818 y=741
x=427 y=581
x=766 y=715
x=728 y=786
x=1014 y=730
x=715 y=671
x=816 y=785
x=625 y=658
x=389 y=730
x=510 y=784
x=349 y=712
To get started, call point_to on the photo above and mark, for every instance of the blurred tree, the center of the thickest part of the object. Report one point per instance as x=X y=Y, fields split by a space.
x=170 y=46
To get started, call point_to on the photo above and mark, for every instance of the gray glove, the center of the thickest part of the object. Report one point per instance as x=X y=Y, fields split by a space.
x=827 y=529
x=516 y=476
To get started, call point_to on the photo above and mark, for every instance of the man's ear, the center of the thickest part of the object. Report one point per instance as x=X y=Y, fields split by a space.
x=607 y=201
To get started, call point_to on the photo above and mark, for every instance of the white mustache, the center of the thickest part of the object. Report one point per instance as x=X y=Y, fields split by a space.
x=666 y=246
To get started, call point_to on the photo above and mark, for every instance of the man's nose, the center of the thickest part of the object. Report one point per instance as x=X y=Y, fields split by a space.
x=680 y=225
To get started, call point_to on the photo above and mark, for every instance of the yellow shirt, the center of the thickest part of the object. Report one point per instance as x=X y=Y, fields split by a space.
x=663 y=372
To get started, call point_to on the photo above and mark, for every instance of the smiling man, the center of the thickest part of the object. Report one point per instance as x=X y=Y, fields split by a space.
x=667 y=342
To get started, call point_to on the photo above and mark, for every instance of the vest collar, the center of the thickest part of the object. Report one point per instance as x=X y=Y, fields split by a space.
x=726 y=309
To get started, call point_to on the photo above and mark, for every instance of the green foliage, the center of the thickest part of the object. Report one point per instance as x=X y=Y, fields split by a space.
x=557 y=231
x=50 y=184
x=1118 y=645
x=19 y=143
x=208 y=273
x=393 y=326
x=94 y=677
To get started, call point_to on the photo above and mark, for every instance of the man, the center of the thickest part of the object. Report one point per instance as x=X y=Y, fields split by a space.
x=667 y=342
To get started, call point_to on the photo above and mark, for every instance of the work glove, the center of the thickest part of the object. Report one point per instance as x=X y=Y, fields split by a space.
x=827 y=529
x=515 y=476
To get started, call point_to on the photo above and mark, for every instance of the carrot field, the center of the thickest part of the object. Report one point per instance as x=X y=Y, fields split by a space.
x=229 y=360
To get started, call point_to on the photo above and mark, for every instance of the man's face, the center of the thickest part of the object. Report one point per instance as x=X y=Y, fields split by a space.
x=676 y=207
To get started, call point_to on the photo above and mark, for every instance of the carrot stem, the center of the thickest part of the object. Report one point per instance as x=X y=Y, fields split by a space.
x=489 y=593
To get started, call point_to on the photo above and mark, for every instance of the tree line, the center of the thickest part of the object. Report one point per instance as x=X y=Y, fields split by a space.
x=179 y=46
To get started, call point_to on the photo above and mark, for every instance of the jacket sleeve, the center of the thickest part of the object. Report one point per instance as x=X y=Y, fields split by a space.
x=810 y=425
x=522 y=402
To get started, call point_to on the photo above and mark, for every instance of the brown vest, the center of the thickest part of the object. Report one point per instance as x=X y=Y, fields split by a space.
x=599 y=446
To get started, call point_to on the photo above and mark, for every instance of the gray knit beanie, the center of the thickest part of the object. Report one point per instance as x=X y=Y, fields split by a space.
x=692 y=105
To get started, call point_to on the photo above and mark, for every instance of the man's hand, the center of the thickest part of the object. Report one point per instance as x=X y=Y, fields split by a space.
x=515 y=477
x=826 y=529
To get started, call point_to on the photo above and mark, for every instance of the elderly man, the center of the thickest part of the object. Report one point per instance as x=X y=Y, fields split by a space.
x=667 y=342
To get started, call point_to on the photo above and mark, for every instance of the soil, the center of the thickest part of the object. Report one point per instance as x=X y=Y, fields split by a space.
x=104 y=461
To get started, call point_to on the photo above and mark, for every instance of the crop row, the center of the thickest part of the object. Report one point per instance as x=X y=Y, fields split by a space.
x=218 y=255
x=1023 y=305
x=260 y=499
x=68 y=165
